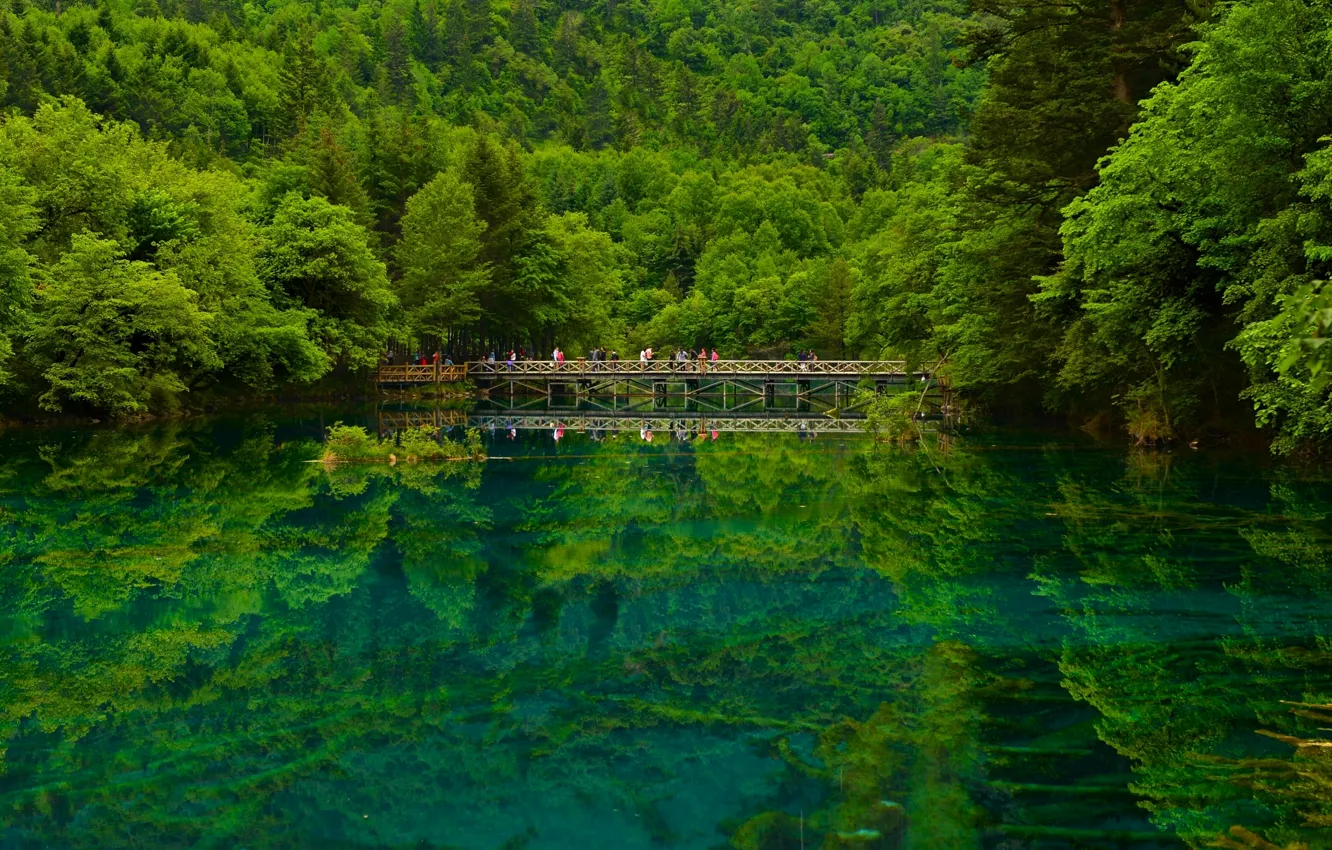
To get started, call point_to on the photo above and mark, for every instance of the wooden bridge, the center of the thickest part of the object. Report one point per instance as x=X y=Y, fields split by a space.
x=659 y=369
x=724 y=378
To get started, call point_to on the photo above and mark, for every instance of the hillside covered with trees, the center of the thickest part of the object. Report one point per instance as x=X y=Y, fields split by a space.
x=1117 y=210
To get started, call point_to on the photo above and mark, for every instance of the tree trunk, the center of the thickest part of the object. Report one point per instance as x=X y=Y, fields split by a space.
x=1118 y=16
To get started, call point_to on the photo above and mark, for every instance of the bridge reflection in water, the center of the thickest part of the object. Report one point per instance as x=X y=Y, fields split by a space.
x=624 y=420
x=684 y=419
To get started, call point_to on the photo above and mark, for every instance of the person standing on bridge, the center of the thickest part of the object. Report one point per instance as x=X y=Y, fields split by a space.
x=703 y=360
x=715 y=356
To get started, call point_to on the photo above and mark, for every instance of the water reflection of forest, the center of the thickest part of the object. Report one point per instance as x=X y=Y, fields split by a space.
x=766 y=642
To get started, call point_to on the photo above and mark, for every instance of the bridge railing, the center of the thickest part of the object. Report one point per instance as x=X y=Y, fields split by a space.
x=688 y=367
x=432 y=373
x=440 y=373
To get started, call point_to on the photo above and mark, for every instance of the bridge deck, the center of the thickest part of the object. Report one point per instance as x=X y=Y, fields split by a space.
x=658 y=370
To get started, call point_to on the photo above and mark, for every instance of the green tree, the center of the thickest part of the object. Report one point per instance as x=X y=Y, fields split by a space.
x=115 y=335
x=18 y=219
x=439 y=254
x=1198 y=226
x=831 y=299
x=333 y=174
x=303 y=87
x=316 y=256
x=1061 y=93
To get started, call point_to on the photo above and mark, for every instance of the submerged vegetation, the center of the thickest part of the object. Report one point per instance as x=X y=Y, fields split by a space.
x=1115 y=210
x=352 y=443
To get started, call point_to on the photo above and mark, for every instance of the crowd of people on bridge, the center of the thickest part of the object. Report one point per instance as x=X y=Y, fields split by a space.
x=682 y=359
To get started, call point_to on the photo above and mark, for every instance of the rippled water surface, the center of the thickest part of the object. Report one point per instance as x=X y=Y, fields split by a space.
x=731 y=640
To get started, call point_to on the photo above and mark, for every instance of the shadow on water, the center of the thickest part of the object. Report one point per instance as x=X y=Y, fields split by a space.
x=754 y=641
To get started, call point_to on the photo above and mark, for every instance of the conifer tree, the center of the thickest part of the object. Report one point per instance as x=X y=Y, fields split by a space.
x=879 y=138
x=397 y=64
x=423 y=33
x=440 y=254
x=598 y=122
x=333 y=174
x=303 y=87
x=524 y=30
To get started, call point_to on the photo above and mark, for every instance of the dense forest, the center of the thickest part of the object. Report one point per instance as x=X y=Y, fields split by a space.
x=1117 y=211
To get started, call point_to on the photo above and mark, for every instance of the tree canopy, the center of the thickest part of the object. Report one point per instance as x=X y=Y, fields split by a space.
x=1093 y=209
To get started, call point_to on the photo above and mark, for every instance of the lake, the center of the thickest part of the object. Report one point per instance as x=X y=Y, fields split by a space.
x=748 y=640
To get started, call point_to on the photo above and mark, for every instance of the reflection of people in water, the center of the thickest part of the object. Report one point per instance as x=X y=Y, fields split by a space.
x=645 y=434
x=714 y=435
x=559 y=432
x=513 y=433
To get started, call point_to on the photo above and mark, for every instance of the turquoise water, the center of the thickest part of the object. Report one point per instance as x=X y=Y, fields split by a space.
x=753 y=641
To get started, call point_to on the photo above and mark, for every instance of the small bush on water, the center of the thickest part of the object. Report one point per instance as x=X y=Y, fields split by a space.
x=892 y=418
x=351 y=443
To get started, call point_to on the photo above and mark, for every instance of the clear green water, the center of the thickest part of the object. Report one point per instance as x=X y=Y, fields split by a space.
x=758 y=642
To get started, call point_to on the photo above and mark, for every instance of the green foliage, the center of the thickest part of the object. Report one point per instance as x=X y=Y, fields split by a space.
x=316 y=257
x=351 y=443
x=1179 y=263
x=114 y=334
x=892 y=417
x=141 y=281
x=310 y=165
x=1102 y=208
x=18 y=219
x=440 y=256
